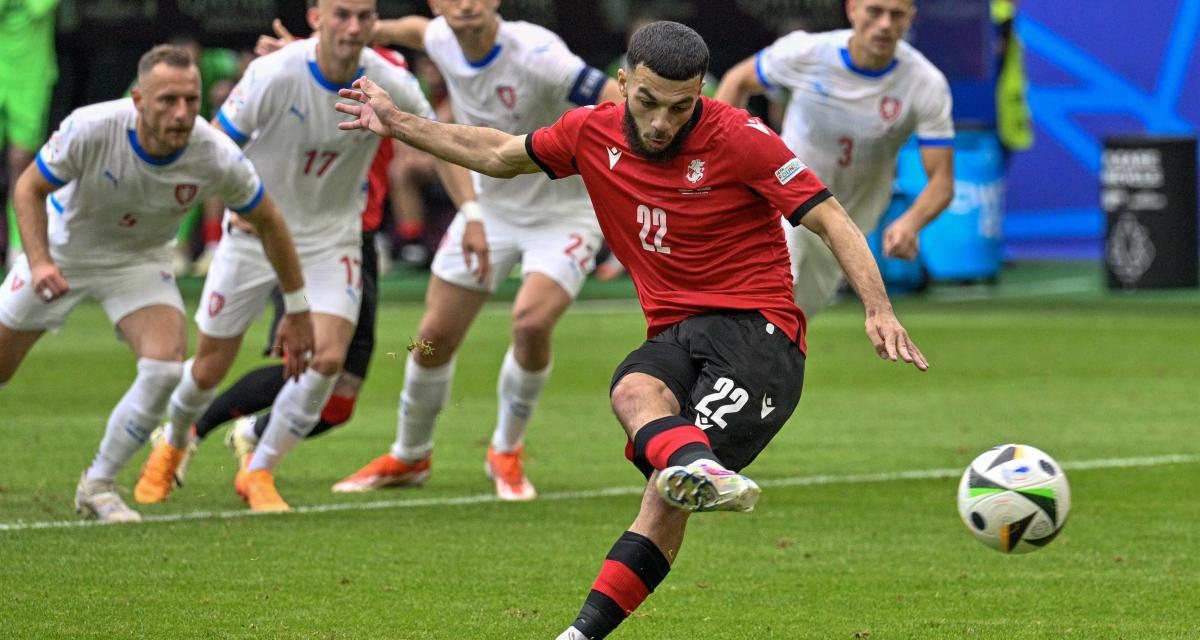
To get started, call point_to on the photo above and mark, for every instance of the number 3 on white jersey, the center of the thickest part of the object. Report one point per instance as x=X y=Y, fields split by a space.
x=649 y=218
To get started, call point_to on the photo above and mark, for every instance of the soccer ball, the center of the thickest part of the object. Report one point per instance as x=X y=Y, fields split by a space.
x=1014 y=498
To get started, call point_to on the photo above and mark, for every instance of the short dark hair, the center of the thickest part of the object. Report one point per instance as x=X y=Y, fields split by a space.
x=669 y=49
x=167 y=54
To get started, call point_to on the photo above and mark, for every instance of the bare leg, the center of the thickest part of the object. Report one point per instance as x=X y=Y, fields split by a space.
x=14 y=346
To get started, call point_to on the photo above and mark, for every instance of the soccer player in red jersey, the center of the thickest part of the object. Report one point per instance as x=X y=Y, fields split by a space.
x=689 y=193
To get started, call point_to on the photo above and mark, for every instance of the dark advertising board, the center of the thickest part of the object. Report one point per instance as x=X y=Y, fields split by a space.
x=1148 y=193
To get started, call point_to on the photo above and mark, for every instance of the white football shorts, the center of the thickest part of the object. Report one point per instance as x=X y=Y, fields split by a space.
x=240 y=281
x=119 y=290
x=564 y=251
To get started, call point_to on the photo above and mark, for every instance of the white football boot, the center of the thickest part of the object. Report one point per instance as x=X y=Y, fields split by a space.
x=705 y=485
x=98 y=499
x=239 y=444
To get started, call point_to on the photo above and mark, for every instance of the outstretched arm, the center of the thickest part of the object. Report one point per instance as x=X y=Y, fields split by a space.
x=270 y=44
x=408 y=31
x=488 y=151
x=830 y=221
x=739 y=83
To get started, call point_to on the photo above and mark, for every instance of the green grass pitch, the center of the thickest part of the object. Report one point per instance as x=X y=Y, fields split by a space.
x=1046 y=359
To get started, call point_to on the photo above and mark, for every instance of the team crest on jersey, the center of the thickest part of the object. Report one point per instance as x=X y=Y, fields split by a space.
x=695 y=172
x=185 y=193
x=216 y=302
x=889 y=108
x=507 y=95
x=17 y=283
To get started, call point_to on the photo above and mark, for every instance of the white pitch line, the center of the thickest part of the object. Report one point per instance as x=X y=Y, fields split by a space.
x=799 y=481
x=1060 y=286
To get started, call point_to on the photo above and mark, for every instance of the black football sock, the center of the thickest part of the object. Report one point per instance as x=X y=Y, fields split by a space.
x=252 y=393
x=631 y=571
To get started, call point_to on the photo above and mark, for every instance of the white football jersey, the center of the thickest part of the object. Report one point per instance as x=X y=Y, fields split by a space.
x=283 y=110
x=525 y=83
x=118 y=205
x=848 y=124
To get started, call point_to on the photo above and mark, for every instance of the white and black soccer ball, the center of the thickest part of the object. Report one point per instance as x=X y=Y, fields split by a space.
x=1014 y=498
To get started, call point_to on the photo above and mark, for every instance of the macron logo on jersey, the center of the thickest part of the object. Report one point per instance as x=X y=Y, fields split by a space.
x=789 y=170
x=768 y=405
x=614 y=154
x=755 y=123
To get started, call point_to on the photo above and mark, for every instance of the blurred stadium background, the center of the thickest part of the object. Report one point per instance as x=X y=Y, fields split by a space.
x=1084 y=84
x=856 y=536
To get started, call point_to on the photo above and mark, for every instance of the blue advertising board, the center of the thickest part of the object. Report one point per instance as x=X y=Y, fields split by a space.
x=1096 y=69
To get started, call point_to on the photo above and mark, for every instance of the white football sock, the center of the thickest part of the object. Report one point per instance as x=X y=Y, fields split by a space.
x=135 y=416
x=296 y=411
x=517 y=392
x=187 y=403
x=426 y=391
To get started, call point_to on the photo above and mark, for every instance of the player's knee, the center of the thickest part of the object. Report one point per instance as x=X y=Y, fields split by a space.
x=637 y=394
x=206 y=375
x=628 y=392
x=160 y=374
x=532 y=328
x=434 y=347
x=326 y=365
x=339 y=409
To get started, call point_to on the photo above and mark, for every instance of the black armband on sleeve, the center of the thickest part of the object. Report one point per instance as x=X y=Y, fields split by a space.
x=821 y=196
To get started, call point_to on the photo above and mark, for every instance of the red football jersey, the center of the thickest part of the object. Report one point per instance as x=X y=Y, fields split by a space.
x=700 y=232
x=377 y=176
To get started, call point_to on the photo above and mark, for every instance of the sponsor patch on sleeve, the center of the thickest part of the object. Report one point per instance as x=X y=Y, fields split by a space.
x=789 y=170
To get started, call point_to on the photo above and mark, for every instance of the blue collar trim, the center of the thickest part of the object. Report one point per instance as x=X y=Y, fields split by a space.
x=869 y=73
x=484 y=61
x=325 y=82
x=149 y=159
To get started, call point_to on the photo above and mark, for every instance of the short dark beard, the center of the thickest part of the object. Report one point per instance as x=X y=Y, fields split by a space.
x=633 y=138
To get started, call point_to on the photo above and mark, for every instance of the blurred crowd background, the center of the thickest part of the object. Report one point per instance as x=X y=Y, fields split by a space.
x=1048 y=81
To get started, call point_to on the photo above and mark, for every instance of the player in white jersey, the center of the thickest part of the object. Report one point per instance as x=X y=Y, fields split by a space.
x=515 y=77
x=120 y=176
x=856 y=96
x=283 y=110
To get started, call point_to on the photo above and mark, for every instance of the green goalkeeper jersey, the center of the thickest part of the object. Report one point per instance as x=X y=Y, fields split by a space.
x=27 y=39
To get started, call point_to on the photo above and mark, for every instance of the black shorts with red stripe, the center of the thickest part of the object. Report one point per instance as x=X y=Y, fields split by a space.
x=735 y=375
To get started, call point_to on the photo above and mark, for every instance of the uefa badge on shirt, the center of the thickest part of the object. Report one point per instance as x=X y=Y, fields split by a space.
x=53 y=146
x=234 y=103
x=695 y=171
